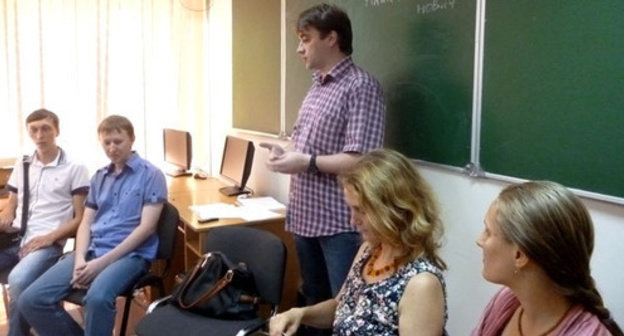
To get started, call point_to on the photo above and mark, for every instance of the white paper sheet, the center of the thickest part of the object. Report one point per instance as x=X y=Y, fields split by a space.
x=215 y=210
x=267 y=203
x=252 y=213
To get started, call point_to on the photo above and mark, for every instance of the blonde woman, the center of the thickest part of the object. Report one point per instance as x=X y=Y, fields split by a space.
x=537 y=243
x=395 y=285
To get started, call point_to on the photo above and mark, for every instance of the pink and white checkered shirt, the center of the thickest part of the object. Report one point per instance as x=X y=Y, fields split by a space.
x=344 y=112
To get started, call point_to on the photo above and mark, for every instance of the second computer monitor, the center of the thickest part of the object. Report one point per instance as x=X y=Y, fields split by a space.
x=178 y=152
x=236 y=164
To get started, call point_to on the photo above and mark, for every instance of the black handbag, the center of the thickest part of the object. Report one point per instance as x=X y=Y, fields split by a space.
x=217 y=287
x=11 y=238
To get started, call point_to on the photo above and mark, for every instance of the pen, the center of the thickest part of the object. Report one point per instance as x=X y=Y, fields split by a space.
x=206 y=220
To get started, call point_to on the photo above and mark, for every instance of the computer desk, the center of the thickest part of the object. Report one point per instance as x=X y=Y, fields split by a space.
x=185 y=191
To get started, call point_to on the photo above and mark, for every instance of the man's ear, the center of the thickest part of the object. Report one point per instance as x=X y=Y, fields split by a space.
x=332 y=38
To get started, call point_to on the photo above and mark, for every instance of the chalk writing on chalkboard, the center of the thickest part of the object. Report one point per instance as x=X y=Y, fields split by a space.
x=434 y=6
x=426 y=8
x=380 y=2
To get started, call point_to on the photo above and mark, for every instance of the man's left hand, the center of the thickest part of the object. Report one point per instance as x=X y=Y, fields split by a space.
x=289 y=163
x=84 y=275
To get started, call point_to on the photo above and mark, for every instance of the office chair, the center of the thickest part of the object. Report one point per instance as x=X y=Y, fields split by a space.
x=265 y=256
x=167 y=228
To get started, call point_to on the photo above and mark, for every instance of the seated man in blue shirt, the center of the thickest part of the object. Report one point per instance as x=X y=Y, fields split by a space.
x=115 y=243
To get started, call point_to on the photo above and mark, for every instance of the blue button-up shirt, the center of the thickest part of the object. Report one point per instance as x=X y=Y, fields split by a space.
x=118 y=201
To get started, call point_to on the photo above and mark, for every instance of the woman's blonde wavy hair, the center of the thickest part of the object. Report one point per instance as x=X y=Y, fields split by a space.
x=400 y=205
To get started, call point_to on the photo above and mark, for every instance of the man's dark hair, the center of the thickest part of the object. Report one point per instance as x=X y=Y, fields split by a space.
x=326 y=18
x=43 y=114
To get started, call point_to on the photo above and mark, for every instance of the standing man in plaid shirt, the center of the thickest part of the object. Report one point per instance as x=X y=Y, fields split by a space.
x=341 y=118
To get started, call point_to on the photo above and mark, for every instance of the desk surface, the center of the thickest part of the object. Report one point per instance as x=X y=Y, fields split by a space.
x=186 y=191
x=185 y=184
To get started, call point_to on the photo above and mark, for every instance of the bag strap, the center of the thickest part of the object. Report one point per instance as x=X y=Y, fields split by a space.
x=221 y=283
x=187 y=280
x=224 y=281
x=26 y=196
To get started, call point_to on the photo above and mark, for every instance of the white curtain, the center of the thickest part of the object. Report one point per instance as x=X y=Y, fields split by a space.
x=86 y=59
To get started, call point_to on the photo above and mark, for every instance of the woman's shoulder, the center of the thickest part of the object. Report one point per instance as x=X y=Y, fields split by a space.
x=424 y=276
x=579 y=321
x=424 y=282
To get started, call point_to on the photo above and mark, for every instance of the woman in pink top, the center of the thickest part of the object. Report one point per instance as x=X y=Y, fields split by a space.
x=537 y=242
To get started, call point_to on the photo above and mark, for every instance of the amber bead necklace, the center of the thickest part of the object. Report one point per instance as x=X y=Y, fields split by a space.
x=370 y=267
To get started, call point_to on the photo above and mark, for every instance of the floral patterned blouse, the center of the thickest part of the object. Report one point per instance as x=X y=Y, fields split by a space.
x=373 y=309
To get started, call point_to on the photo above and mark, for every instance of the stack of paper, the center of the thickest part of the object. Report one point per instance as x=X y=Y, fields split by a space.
x=259 y=208
x=249 y=209
x=267 y=203
x=215 y=211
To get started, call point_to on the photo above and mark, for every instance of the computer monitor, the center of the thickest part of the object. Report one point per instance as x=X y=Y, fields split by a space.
x=178 y=152
x=236 y=165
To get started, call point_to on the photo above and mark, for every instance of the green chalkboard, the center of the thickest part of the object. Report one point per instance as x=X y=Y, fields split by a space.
x=553 y=92
x=256 y=65
x=422 y=52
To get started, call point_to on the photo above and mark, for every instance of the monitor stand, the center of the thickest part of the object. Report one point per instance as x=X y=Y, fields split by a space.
x=233 y=191
x=176 y=172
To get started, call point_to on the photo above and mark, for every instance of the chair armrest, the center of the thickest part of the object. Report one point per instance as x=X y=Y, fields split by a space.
x=157 y=303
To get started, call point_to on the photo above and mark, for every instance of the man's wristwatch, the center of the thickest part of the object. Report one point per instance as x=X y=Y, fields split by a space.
x=312 y=168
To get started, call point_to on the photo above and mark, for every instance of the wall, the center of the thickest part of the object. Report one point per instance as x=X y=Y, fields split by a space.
x=262 y=181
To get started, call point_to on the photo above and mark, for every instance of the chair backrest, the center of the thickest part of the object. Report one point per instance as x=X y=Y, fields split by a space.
x=167 y=226
x=4 y=276
x=262 y=251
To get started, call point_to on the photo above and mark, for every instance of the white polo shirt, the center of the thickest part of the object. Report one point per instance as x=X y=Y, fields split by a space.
x=52 y=187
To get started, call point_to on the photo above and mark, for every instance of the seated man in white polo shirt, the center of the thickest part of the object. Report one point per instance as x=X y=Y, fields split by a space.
x=57 y=191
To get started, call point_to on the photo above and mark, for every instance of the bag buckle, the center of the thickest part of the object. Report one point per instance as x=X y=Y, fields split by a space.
x=229 y=275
